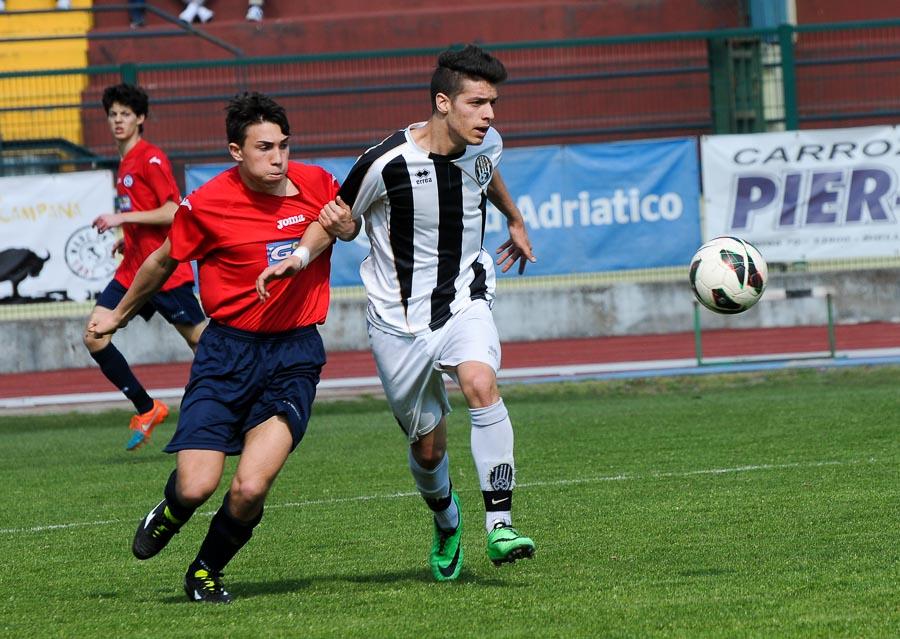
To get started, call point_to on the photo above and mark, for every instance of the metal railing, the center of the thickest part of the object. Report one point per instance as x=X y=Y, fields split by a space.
x=180 y=28
x=809 y=76
x=559 y=91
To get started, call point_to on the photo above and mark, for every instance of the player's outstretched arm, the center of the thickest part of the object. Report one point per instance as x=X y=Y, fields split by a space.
x=153 y=273
x=315 y=240
x=518 y=247
x=160 y=216
x=106 y=221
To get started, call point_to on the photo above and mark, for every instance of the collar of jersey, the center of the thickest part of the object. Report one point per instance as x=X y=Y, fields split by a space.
x=446 y=158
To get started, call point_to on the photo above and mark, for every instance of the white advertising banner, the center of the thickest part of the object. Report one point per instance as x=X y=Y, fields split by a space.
x=48 y=249
x=805 y=195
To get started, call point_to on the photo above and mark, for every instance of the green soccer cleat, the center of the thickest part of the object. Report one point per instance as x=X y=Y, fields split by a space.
x=446 y=550
x=505 y=545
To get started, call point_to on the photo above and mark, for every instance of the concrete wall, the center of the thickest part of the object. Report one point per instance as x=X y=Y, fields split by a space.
x=584 y=311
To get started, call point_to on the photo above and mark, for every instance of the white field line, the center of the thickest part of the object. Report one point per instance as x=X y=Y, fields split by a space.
x=546 y=373
x=533 y=484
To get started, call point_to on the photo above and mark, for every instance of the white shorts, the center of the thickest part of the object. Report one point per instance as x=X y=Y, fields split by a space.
x=411 y=367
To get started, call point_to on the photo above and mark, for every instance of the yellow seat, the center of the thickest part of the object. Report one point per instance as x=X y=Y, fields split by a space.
x=35 y=93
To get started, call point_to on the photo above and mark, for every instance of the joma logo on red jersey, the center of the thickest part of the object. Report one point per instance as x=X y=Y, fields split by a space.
x=288 y=221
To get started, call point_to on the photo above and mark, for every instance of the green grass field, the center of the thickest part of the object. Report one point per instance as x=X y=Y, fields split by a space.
x=748 y=505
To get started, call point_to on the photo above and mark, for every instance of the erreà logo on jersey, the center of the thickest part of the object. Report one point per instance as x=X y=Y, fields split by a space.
x=280 y=250
x=484 y=169
x=294 y=219
x=422 y=176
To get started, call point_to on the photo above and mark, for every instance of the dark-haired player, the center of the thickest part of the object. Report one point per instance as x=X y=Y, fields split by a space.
x=147 y=200
x=430 y=285
x=255 y=373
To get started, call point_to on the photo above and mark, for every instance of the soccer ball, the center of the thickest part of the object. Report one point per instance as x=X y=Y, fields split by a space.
x=728 y=275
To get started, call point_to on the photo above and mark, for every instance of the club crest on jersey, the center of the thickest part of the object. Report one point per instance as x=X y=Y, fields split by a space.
x=280 y=250
x=288 y=221
x=128 y=181
x=484 y=169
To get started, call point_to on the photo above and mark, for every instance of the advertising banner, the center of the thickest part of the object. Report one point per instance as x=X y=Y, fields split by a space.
x=48 y=249
x=805 y=195
x=588 y=208
x=604 y=207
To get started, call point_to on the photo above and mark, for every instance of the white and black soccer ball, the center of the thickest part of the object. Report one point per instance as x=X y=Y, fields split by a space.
x=728 y=275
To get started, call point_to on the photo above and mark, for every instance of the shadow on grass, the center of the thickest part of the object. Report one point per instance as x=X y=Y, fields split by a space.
x=250 y=589
x=417 y=575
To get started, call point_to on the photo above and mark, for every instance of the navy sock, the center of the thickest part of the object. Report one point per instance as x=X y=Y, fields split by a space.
x=112 y=363
x=225 y=538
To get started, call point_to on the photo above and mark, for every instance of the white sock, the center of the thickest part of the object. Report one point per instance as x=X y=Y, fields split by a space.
x=204 y=14
x=492 y=450
x=190 y=12
x=434 y=485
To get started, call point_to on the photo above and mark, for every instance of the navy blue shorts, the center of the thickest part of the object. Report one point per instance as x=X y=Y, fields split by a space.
x=178 y=305
x=239 y=379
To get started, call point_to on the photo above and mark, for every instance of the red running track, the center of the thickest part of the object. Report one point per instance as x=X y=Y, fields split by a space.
x=602 y=350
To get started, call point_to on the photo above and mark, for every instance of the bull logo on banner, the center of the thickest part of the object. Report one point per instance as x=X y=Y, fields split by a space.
x=18 y=264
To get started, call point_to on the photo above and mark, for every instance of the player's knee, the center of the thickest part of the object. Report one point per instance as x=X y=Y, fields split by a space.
x=428 y=454
x=195 y=492
x=248 y=492
x=480 y=389
x=94 y=344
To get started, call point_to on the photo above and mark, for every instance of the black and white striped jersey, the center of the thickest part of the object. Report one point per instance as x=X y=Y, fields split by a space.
x=425 y=216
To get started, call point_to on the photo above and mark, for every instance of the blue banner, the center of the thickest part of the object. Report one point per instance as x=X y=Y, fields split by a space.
x=589 y=208
x=604 y=207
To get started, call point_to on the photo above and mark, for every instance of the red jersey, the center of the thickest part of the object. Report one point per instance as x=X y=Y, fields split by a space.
x=145 y=182
x=235 y=232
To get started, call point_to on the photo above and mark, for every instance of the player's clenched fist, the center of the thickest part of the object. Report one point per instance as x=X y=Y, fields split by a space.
x=103 y=322
x=335 y=217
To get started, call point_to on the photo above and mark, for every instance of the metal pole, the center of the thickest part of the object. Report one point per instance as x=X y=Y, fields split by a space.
x=831 y=340
x=129 y=73
x=788 y=76
x=698 y=342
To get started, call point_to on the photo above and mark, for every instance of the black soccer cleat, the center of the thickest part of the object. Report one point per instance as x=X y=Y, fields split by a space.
x=201 y=584
x=153 y=532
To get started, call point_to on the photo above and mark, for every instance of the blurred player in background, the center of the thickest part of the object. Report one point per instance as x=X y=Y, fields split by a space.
x=254 y=10
x=147 y=200
x=430 y=285
x=255 y=373
x=196 y=10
